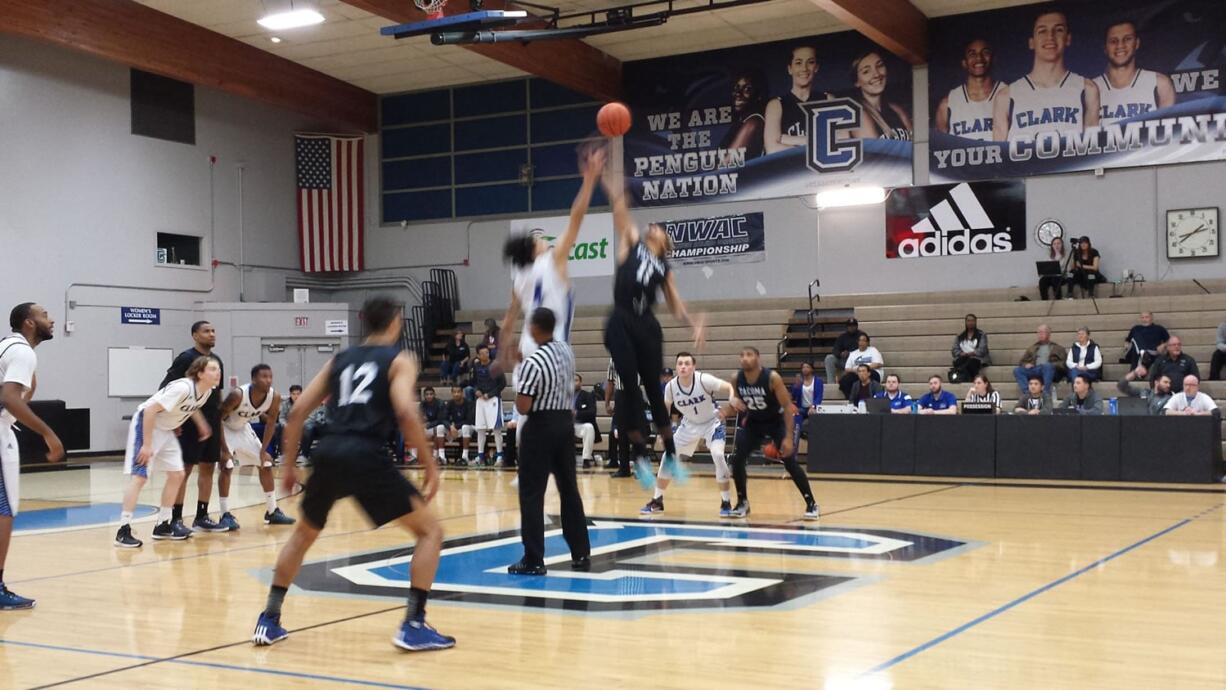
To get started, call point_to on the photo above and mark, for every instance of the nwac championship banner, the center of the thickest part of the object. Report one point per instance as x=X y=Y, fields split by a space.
x=734 y=239
x=1081 y=85
x=767 y=120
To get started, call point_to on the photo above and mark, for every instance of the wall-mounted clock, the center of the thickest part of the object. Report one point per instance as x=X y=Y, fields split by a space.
x=1192 y=233
x=1047 y=231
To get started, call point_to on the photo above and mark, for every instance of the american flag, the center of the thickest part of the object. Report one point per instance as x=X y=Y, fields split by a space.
x=330 y=218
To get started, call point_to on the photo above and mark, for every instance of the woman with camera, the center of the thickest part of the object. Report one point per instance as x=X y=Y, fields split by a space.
x=1086 y=273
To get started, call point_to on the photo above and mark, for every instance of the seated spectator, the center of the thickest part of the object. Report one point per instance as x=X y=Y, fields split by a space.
x=1157 y=397
x=455 y=363
x=807 y=394
x=312 y=430
x=585 y=420
x=434 y=417
x=864 y=354
x=970 y=352
x=1044 y=359
x=1173 y=363
x=982 y=391
x=288 y=404
x=491 y=337
x=1087 y=272
x=1219 y=354
x=900 y=402
x=460 y=413
x=1144 y=342
x=1085 y=358
x=1035 y=400
x=864 y=387
x=843 y=345
x=1055 y=283
x=1084 y=399
x=936 y=400
x=1191 y=401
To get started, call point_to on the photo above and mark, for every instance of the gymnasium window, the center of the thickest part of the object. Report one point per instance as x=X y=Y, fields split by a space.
x=462 y=152
x=178 y=250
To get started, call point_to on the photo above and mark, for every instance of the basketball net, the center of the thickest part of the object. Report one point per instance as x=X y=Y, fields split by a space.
x=432 y=8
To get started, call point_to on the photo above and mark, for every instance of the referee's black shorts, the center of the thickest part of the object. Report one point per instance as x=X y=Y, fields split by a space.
x=356 y=466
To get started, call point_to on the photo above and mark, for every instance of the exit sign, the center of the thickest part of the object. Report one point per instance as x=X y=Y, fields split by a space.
x=301 y=321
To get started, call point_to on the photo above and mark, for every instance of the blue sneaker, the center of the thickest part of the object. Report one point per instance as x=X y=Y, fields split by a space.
x=643 y=473
x=680 y=474
x=418 y=636
x=725 y=509
x=276 y=517
x=655 y=505
x=268 y=630
x=204 y=523
x=12 y=602
x=227 y=520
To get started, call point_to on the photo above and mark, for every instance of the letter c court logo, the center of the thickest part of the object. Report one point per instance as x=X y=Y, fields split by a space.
x=637 y=566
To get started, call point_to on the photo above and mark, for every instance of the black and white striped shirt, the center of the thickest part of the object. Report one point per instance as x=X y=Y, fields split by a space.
x=612 y=376
x=548 y=377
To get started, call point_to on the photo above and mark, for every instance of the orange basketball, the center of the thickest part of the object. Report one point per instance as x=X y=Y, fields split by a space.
x=771 y=451
x=613 y=120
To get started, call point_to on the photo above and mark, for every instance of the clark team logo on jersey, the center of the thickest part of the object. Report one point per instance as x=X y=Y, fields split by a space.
x=954 y=220
x=636 y=566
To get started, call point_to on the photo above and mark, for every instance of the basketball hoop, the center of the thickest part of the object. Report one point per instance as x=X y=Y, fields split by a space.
x=432 y=8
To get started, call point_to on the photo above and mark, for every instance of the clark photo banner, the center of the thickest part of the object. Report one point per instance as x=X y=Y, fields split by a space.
x=734 y=239
x=768 y=120
x=955 y=220
x=1041 y=89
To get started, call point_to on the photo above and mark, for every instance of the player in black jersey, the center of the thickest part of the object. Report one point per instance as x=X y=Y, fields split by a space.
x=760 y=397
x=369 y=391
x=632 y=334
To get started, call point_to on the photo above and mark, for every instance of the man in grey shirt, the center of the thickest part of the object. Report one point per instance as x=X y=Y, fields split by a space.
x=1035 y=401
x=1084 y=399
x=1155 y=399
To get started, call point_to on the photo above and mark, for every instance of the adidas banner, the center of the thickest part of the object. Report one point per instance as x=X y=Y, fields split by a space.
x=955 y=220
x=767 y=120
x=1085 y=84
x=733 y=239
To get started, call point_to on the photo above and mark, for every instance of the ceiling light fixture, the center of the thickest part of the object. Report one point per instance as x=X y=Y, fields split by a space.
x=290 y=20
x=850 y=196
x=275 y=39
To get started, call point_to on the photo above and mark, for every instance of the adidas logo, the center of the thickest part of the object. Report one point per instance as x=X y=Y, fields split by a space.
x=957 y=226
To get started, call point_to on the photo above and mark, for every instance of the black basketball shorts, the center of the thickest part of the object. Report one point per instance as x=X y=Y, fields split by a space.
x=359 y=467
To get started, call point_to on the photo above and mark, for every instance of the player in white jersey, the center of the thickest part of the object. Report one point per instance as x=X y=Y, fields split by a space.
x=1127 y=91
x=693 y=394
x=240 y=445
x=1050 y=98
x=152 y=443
x=539 y=275
x=31 y=326
x=967 y=110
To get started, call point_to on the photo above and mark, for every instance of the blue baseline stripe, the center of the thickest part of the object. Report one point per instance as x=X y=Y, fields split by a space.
x=1028 y=596
x=211 y=664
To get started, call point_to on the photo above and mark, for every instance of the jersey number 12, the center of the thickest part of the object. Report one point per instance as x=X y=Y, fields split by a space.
x=357 y=396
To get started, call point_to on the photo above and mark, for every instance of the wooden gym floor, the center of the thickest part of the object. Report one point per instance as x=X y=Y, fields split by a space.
x=905 y=584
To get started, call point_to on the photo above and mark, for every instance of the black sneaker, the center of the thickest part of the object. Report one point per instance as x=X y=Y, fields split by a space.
x=178 y=524
x=125 y=540
x=610 y=464
x=587 y=464
x=583 y=564
x=276 y=517
x=725 y=509
x=655 y=505
x=166 y=530
x=622 y=473
x=525 y=568
x=205 y=524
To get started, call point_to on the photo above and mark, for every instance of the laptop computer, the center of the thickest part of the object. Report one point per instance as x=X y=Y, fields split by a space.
x=1047 y=268
x=1132 y=407
x=877 y=406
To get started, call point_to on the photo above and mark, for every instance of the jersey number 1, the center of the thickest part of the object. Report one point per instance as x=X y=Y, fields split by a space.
x=357 y=396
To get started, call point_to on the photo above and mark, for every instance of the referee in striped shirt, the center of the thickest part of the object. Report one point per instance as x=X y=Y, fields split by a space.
x=545 y=399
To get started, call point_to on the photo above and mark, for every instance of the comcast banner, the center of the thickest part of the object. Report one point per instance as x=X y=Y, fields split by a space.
x=592 y=254
x=732 y=239
x=1086 y=84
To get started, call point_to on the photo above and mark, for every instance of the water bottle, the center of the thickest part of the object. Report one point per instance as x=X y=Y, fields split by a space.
x=862 y=408
x=1114 y=406
x=914 y=407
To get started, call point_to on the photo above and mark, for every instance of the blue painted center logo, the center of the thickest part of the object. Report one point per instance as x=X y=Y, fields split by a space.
x=634 y=567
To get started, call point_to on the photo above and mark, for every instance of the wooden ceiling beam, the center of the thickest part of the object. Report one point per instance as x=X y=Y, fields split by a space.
x=570 y=63
x=896 y=25
x=132 y=34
